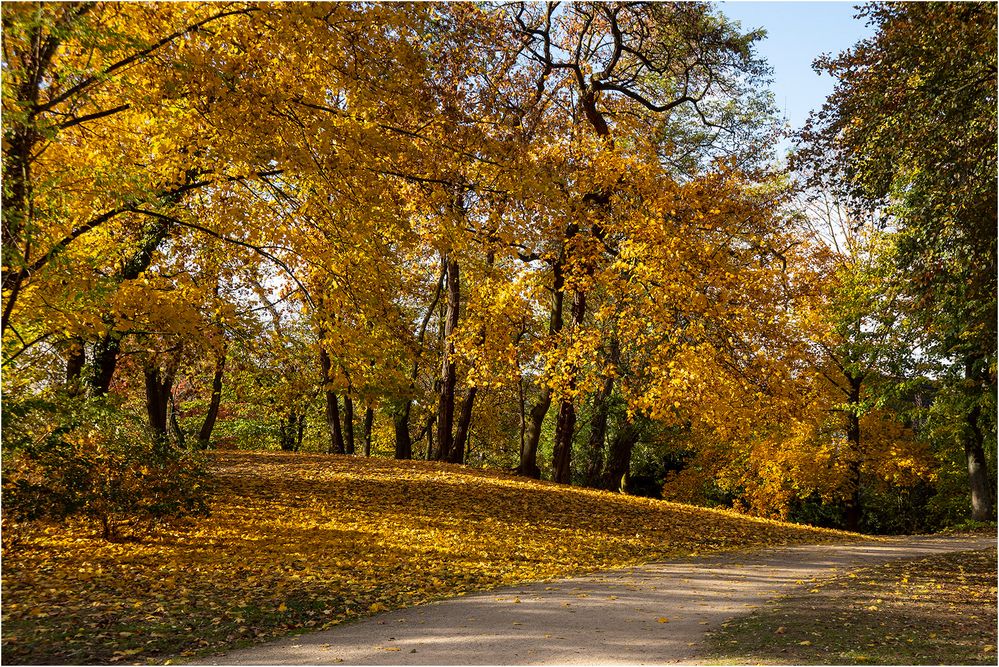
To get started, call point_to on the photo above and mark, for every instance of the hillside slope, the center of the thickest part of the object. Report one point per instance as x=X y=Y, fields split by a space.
x=299 y=541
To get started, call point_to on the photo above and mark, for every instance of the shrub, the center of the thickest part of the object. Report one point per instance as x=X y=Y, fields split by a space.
x=88 y=458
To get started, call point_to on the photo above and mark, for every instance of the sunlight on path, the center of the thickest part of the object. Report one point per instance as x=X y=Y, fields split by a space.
x=651 y=614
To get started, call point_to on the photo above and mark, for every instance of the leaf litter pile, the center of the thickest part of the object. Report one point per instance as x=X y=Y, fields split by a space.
x=298 y=542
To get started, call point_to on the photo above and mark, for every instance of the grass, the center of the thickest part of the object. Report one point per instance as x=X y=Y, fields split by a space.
x=938 y=610
x=298 y=542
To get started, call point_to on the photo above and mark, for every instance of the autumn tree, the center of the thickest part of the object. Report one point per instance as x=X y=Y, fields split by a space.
x=910 y=129
x=646 y=62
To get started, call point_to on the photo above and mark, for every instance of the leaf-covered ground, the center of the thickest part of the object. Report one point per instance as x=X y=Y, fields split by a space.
x=939 y=610
x=301 y=541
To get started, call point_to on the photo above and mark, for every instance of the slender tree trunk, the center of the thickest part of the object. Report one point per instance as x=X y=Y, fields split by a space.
x=428 y=431
x=178 y=432
x=332 y=407
x=529 y=452
x=76 y=361
x=565 y=427
x=106 y=349
x=208 y=425
x=17 y=208
x=974 y=452
x=333 y=423
x=348 y=423
x=430 y=444
x=619 y=457
x=158 y=388
x=301 y=431
x=445 y=410
x=852 y=511
x=598 y=432
x=288 y=431
x=463 y=428
x=529 y=455
x=403 y=443
x=369 y=421
x=103 y=365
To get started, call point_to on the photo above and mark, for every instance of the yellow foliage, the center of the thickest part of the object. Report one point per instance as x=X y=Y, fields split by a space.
x=303 y=541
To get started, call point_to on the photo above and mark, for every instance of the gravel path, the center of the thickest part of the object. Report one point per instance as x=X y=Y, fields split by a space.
x=651 y=614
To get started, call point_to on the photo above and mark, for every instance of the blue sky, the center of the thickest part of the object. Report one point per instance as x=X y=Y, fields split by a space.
x=797 y=33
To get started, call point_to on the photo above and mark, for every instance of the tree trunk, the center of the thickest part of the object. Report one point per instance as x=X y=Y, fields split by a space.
x=852 y=510
x=403 y=444
x=301 y=431
x=529 y=452
x=464 y=425
x=288 y=431
x=428 y=431
x=104 y=363
x=178 y=432
x=529 y=455
x=208 y=425
x=76 y=360
x=598 y=432
x=332 y=407
x=619 y=457
x=348 y=423
x=106 y=349
x=158 y=388
x=974 y=452
x=565 y=427
x=369 y=421
x=445 y=410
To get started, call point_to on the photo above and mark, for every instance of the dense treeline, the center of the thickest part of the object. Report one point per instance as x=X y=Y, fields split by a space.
x=545 y=237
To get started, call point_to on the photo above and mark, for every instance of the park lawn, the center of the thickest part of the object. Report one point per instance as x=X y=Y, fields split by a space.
x=299 y=541
x=938 y=610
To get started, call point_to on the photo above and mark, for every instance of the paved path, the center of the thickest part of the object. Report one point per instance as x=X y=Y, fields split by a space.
x=651 y=614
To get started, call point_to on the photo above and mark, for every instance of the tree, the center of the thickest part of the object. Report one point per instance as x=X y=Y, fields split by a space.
x=601 y=64
x=911 y=128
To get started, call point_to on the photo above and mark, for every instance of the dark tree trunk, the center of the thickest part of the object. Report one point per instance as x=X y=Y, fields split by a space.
x=178 y=432
x=288 y=431
x=464 y=424
x=369 y=421
x=565 y=427
x=16 y=196
x=598 y=432
x=403 y=443
x=333 y=423
x=106 y=349
x=348 y=424
x=974 y=452
x=428 y=431
x=208 y=425
x=76 y=360
x=532 y=433
x=103 y=365
x=529 y=455
x=852 y=510
x=445 y=410
x=619 y=457
x=332 y=407
x=301 y=431
x=158 y=388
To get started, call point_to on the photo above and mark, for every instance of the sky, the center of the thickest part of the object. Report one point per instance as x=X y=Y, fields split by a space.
x=797 y=33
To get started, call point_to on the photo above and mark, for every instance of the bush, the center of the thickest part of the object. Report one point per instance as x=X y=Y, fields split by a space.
x=87 y=458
